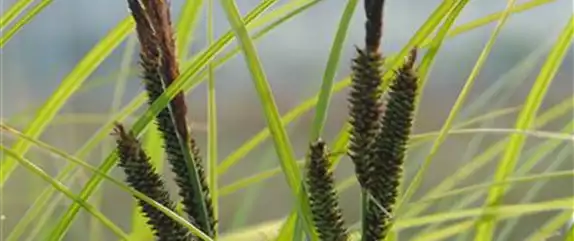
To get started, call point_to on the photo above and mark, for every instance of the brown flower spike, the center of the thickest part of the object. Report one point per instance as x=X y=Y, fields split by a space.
x=160 y=69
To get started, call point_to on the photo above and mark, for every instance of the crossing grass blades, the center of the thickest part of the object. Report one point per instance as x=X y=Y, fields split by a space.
x=379 y=134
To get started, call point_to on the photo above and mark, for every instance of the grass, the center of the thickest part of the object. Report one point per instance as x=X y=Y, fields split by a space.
x=491 y=219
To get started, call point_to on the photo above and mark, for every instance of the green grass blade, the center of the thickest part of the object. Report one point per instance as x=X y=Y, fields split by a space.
x=524 y=122
x=533 y=191
x=242 y=151
x=119 y=90
x=445 y=233
x=503 y=212
x=536 y=155
x=340 y=146
x=495 y=96
x=486 y=156
x=500 y=212
x=99 y=173
x=212 y=123
x=16 y=9
x=495 y=16
x=434 y=46
x=186 y=25
x=548 y=174
x=253 y=184
x=417 y=39
x=39 y=210
x=69 y=85
x=329 y=76
x=415 y=183
x=552 y=227
x=331 y=69
x=6 y=36
x=280 y=138
x=63 y=189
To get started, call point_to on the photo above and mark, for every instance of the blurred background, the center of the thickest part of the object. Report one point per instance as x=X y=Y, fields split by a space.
x=294 y=56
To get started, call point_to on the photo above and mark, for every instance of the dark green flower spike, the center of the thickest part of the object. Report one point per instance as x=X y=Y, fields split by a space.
x=391 y=143
x=141 y=176
x=327 y=214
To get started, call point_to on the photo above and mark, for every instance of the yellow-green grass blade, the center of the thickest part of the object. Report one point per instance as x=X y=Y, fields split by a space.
x=139 y=229
x=81 y=153
x=63 y=189
x=434 y=46
x=340 y=147
x=306 y=105
x=7 y=35
x=489 y=154
x=495 y=16
x=286 y=12
x=16 y=9
x=417 y=39
x=530 y=178
x=351 y=181
x=153 y=145
x=186 y=25
x=500 y=212
x=331 y=69
x=103 y=175
x=68 y=86
x=507 y=84
x=569 y=232
x=242 y=151
x=496 y=95
x=119 y=90
x=426 y=65
x=280 y=139
x=417 y=179
x=536 y=154
x=552 y=227
x=444 y=233
x=253 y=185
x=503 y=212
x=23 y=117
x=293 y=8
x=510 y=225
x=324 y=96
x=485 y=227
x=38 y=211
x=142 y=122
x=297 y=6
x=212 y=122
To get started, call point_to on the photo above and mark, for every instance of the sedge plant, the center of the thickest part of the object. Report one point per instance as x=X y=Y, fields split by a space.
x=379 y=136
x=384 y=90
